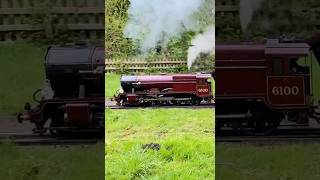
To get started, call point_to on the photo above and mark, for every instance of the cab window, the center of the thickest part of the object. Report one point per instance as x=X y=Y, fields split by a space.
x=293 y=65
x=296 y=68
x=277 y=66
x=201 y=81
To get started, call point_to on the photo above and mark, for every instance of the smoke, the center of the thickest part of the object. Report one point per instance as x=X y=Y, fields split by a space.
x=247 y=8
x=202 y=43
x=157 y=21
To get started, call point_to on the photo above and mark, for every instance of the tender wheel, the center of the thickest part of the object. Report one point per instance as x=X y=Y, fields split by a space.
x=260 y=121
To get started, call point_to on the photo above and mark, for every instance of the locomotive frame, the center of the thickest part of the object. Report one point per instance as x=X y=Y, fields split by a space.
x=73 y=97
x=164 y=89
x=257 y=87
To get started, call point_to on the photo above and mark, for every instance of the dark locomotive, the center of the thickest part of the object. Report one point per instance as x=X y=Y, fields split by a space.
x=260 y=85
x=173 y=89
x=73 y=96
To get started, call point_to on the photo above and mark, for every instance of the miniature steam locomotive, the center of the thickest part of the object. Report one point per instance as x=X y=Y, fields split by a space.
x=73 y=96
x=164 y=89
x=259 y=85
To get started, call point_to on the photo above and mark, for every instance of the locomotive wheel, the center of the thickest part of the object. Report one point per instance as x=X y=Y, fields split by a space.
x=293 y=116
x=196 y=101
x=261 y=121
x=54 y=132
x=175 y=102
x=56 y=122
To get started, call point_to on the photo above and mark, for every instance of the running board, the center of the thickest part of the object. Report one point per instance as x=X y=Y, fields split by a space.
x=168 y=99
x=231 y=116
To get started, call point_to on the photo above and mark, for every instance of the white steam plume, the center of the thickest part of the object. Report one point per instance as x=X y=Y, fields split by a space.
x=157 y=21
x=202 y=43
x=247 y=8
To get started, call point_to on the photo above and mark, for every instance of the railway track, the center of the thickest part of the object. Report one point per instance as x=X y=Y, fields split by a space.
x=200 y=106
x=270 y=139
x=294 y=135
x=46 y=140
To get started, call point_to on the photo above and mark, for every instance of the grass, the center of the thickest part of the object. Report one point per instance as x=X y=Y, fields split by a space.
x=185 y=137
x=282 y=162
x=49 y=163
x=112 y=84
x=21 y=73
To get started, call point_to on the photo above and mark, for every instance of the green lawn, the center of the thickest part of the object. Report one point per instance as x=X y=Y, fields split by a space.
x=21 y=73
x=112 y=84
x=185 y=137
x=51 y=163
x=280 y=162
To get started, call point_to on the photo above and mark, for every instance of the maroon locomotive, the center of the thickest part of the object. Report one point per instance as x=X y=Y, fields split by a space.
x=259 y=85
x=73 y=96
x=165 y=89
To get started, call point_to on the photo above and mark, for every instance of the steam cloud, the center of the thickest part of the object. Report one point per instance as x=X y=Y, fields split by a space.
x=247 y=8
x=154 y=21
x=202 y=43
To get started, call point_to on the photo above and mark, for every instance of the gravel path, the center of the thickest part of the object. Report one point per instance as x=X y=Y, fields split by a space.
x=9 y=124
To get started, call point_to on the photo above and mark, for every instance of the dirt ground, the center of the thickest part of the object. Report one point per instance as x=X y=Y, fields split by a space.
x=109 y=103
x=9 y=124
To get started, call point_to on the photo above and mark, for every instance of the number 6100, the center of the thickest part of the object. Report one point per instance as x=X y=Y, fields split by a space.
x=285 y=90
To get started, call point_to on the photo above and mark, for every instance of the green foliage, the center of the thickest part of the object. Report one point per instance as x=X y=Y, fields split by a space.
x=119 y=46
x=178 y=47
x=290 y=18
x=205 y=15
x=204 y=63
x=178 y=69
x=228 y=28
x=116 y=17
